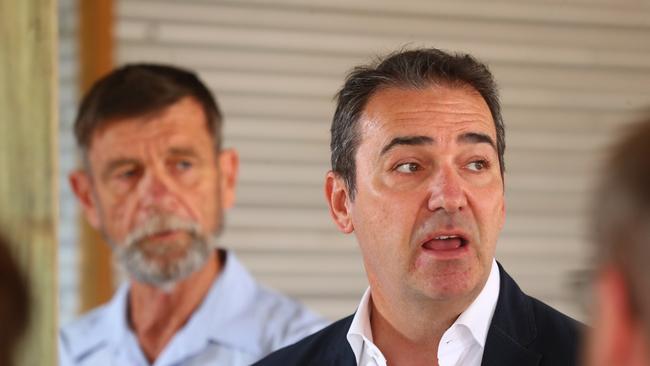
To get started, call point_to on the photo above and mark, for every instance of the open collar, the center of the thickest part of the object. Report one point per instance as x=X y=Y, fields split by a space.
x=479 y=313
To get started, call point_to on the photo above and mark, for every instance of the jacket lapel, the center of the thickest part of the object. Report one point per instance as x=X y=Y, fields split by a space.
x=339 y=352
x=512 y=328
x=501 y=349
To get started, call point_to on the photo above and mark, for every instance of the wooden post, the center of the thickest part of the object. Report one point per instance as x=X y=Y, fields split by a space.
x=28 y=161
x=96 y=60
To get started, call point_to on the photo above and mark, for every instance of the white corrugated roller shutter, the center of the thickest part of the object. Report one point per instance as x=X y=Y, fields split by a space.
x=570 y=72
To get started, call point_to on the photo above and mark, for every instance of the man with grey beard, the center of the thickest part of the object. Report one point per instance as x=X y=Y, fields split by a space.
x=155 y=181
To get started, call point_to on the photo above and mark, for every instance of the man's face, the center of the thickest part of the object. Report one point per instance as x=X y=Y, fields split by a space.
x=429 y=203
x=156 y=188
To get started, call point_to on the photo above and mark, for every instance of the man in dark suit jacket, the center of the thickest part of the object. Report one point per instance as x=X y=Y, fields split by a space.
x=524 y=332
x=417 y=175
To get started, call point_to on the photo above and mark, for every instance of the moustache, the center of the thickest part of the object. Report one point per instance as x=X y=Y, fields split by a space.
x=159 y=224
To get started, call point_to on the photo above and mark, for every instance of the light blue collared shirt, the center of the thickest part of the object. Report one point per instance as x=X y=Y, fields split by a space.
x=238 y=322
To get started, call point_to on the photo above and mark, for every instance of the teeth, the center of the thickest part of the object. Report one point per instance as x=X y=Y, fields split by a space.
x=445 y=237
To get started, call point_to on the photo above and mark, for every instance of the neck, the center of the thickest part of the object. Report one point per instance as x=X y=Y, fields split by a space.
x=156 y=315
x=409 y=332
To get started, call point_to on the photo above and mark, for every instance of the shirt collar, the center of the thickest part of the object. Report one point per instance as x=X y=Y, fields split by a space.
x=477 y=317
x=360 y=333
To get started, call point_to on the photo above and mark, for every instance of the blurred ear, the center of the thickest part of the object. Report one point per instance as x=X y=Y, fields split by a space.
x=228 y=170
x=81 y=185
x=338 y=199
x=616 y=330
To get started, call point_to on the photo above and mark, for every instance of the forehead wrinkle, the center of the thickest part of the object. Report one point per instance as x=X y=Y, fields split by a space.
x=457 y=122
x=407 y=141
x=441 y=116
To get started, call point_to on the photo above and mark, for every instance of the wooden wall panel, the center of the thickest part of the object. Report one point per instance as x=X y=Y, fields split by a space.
x=28 y=141
x=96 y=60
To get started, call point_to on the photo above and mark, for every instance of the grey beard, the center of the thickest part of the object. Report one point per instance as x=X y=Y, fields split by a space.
x=146 y=268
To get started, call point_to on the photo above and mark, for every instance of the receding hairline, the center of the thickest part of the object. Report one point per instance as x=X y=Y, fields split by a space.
x=364 y=116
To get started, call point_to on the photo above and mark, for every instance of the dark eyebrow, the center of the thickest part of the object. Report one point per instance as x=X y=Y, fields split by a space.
x=477 y=138
x=407 y=140
x=116 y=164
x=183 y=151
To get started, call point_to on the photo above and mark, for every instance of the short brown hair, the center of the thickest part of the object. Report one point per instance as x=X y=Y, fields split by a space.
x=139 y=89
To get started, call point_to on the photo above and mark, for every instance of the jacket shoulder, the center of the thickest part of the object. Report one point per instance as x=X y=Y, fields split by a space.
x=329 y=346
x=558 y=336
x=526 y=329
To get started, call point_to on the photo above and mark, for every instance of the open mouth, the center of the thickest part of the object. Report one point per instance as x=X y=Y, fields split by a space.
x=445 y=243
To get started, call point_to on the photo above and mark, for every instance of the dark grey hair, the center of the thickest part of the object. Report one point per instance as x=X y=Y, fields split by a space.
x=418 y=69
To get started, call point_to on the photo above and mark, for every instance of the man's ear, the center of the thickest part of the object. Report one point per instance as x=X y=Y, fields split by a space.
x=503 y=202
x=81 y=185
x=503 y=214
x=228 y=170
x=615 y=328
x=338 y=199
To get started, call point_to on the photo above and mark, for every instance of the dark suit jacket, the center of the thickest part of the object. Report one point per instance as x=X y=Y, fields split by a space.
x=523 y=332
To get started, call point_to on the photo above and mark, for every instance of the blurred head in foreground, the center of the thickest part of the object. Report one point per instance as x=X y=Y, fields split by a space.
x=14 y=304
x=621 y=230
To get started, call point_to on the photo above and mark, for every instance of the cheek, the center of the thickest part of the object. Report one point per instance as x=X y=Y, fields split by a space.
x=204 y=204
x=490 y=209
x=118 y=217
x=383 y=225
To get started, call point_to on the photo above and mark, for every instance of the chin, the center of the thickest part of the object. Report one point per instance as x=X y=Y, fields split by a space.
x=448 y=285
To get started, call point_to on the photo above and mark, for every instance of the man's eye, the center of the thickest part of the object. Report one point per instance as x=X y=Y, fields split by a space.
x=183 y=165
x=127 y=174
x=478 y=165
x=407 y=168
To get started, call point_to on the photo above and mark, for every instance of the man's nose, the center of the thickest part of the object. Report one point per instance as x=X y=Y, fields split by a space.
x=156 y=190
x=447 y=191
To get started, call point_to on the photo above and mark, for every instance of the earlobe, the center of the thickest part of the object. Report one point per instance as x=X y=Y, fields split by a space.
x=615 y=321
x=337 y=197
x=81 y=186
x=229 y=169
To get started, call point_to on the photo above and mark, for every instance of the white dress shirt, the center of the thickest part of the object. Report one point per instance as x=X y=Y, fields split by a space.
x=462 y=344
